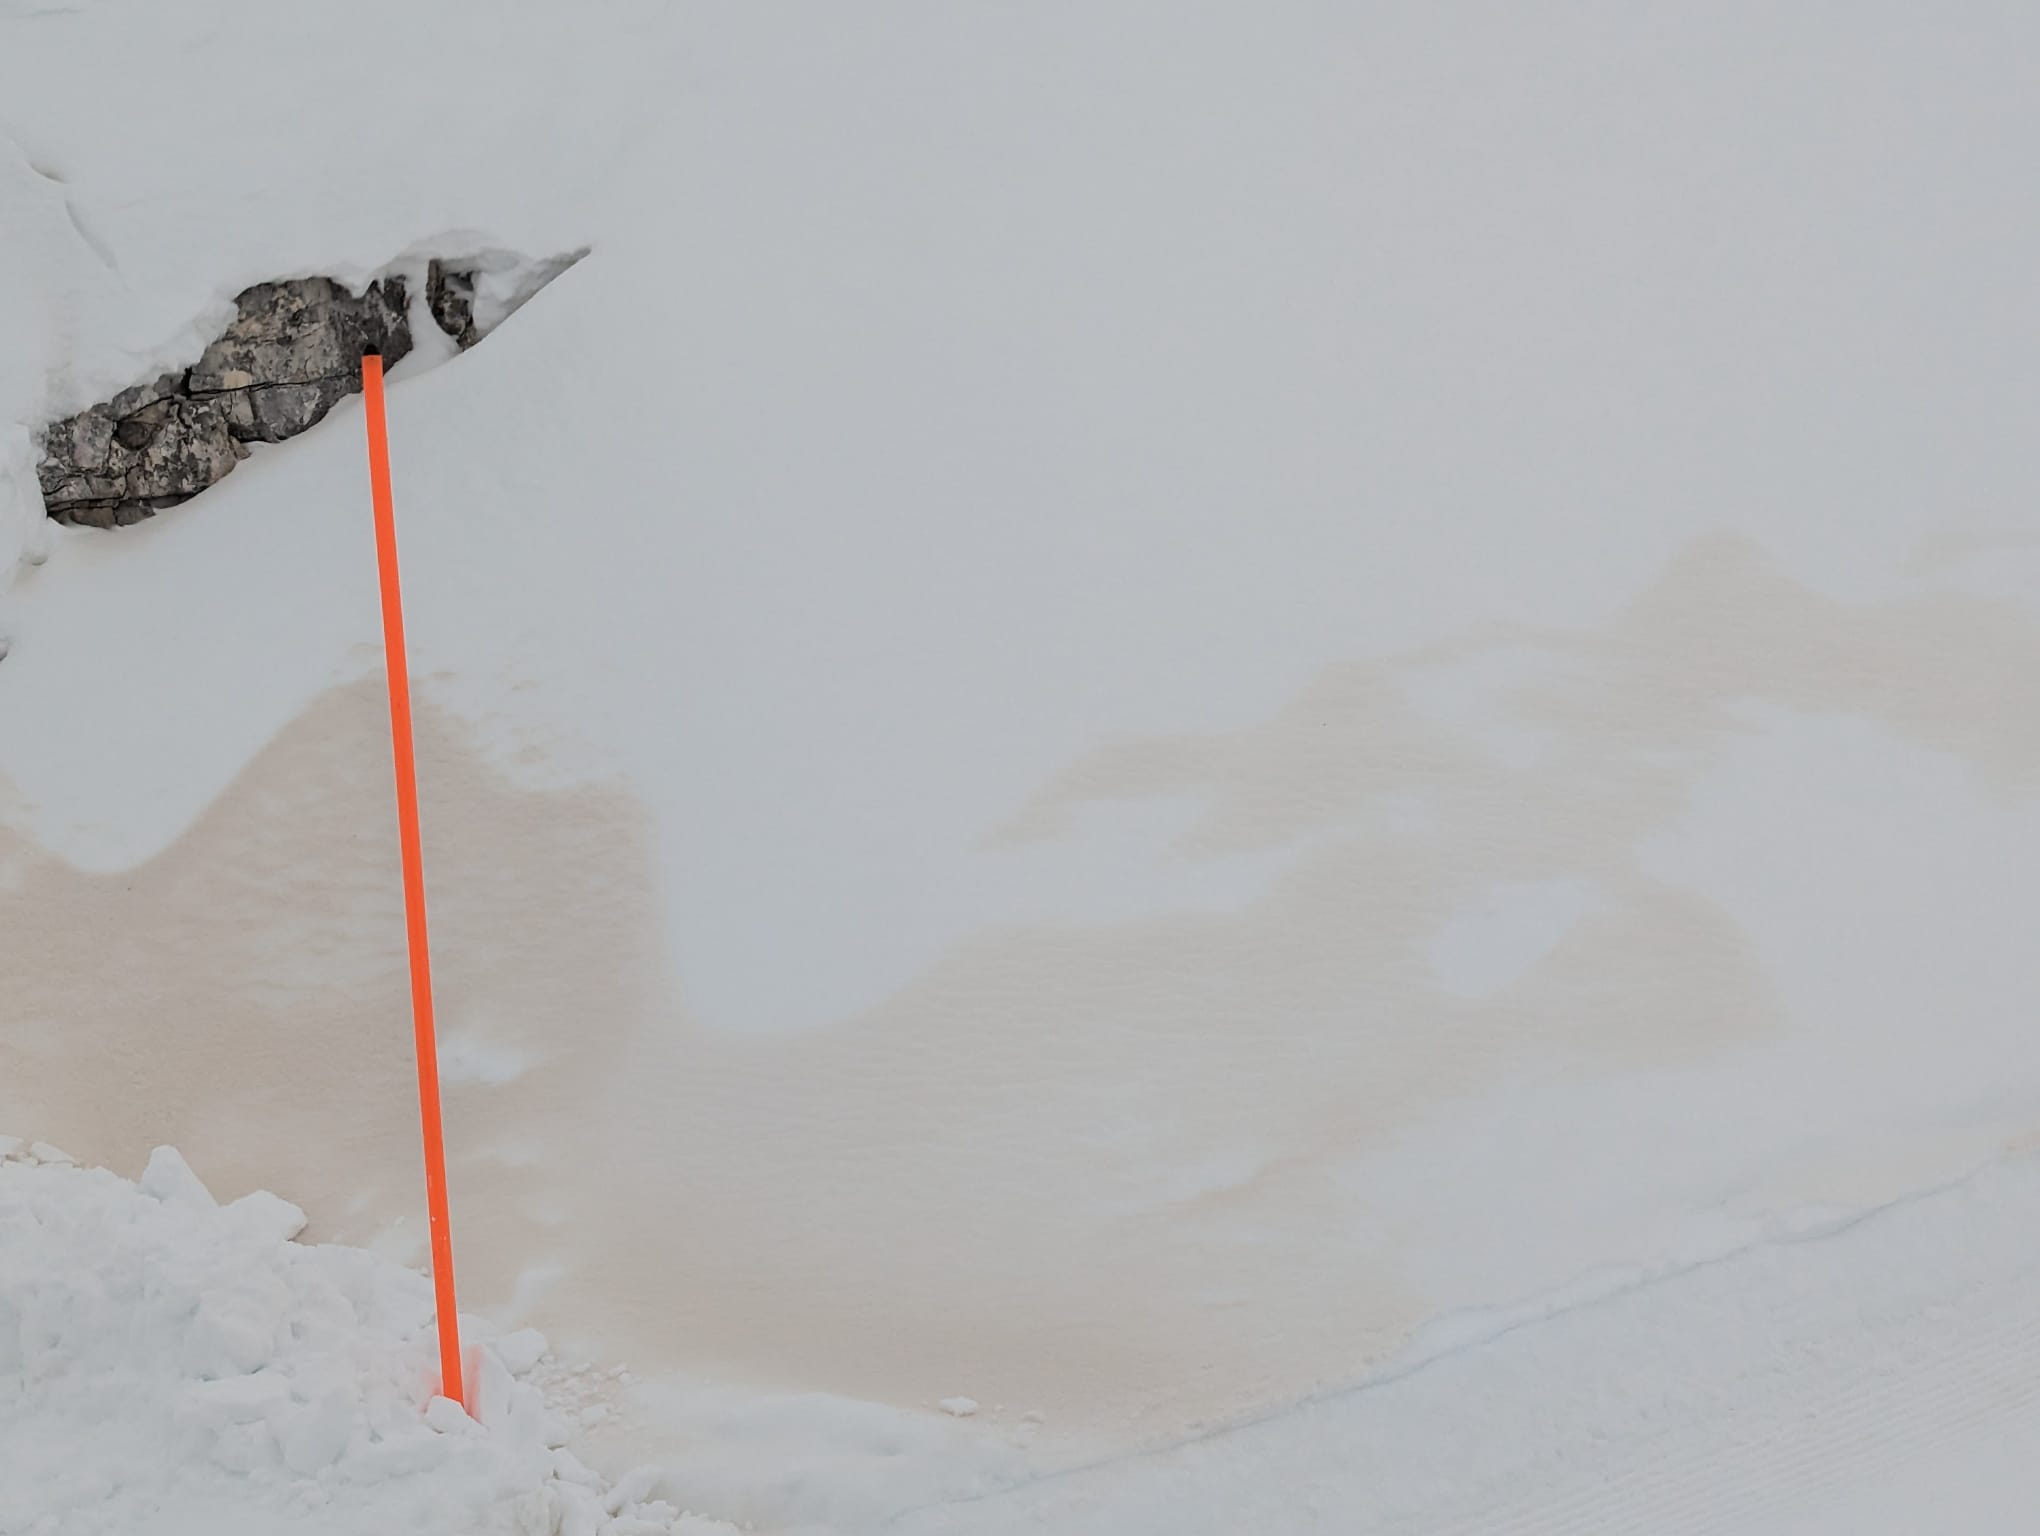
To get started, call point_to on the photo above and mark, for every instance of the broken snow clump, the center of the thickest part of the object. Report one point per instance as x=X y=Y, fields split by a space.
x=292 y=352
x=172 y=1363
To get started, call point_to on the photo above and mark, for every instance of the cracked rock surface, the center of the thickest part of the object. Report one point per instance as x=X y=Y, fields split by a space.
x=450 y=295
x=291 y=354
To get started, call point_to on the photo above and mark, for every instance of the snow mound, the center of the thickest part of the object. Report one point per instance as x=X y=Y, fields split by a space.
x=171 y=1364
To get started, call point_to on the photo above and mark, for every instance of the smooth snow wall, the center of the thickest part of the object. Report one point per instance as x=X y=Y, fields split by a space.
x=1124 y=708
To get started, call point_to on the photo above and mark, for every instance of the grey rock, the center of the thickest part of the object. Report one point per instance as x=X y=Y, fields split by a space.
x=450 y=296
x=91 y=440
x=95 y=514
x=140 y=396
x=80 y=488
x=139 y=430
x=304 y=331
x=283 y=410
x=188 y=449
x=239 y=406
x=292 y=352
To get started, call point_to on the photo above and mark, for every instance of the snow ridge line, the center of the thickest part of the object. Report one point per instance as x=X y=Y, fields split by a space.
x=1797 y=1435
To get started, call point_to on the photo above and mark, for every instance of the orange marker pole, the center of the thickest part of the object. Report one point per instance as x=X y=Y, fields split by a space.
x=414 y=876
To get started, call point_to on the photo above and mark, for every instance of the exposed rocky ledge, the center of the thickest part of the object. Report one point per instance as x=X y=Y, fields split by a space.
x=292 y=352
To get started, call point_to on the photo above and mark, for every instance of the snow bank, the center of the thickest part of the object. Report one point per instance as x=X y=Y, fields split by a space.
x=175 y=1365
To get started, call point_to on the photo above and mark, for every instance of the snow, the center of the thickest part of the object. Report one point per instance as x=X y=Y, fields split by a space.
x=174 y=1364
x=171 y=1361
x=1504 y=932
x=1874 y=1375
x=1297 y=720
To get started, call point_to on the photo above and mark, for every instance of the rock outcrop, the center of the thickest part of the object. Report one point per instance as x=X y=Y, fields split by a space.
x=450 y=295
x=292 y=353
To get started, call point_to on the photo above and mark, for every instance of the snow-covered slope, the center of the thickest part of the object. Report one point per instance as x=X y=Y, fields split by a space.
x=1123 y=705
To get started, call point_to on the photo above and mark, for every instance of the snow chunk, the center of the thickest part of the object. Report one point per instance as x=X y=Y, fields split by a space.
x=319 y=1438
x=261 y=1216
x=170 y=1179
x=448 y=1417
x=521 y=1351
x=633 y=1488
x=183 y=1357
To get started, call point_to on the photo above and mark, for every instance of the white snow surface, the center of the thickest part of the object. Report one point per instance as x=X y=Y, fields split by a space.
x=172 y=1364
x=179 y=1366
x=1163 y=715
